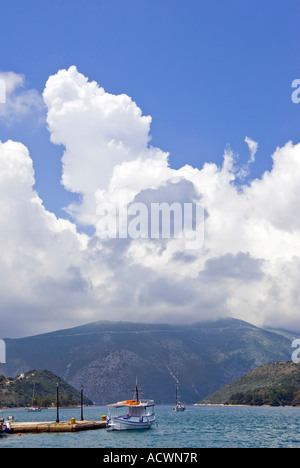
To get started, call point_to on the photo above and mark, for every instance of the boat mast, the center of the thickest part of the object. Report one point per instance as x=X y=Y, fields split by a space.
x=136 y=391
x=33 y=394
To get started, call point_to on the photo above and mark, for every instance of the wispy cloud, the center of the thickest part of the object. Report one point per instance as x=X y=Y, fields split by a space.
x=244 y=171
x=18 y=102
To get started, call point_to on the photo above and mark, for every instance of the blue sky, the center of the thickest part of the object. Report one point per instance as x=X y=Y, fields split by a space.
x=208 y=72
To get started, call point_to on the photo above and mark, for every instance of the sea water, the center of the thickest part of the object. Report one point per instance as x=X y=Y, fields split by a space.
x=197 y=427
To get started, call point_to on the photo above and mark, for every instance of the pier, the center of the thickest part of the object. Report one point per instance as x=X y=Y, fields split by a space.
x=63 y=426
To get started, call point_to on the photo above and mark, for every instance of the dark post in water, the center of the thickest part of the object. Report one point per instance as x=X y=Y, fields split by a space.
x=81 y=402
x=57 y=402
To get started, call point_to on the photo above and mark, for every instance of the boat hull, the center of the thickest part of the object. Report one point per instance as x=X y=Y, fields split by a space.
x=3 y=430
x=120 y=424
x=179 y=407
x=4 y=427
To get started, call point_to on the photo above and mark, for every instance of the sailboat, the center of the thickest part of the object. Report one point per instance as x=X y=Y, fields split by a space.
x=33 y=408
x=179 y=406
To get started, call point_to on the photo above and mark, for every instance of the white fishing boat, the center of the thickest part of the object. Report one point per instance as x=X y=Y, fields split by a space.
x=179 y=406
x=131 y=414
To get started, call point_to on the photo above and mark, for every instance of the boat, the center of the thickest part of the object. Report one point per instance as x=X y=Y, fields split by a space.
x=131 y=414
x=5 y=425
x=3 y=428
x=33 y=408
x=179 y=406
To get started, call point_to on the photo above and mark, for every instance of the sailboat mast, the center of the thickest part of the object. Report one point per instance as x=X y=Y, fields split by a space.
x=33 y=394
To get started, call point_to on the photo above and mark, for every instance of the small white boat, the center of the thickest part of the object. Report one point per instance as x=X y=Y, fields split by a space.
x=179 y=406
x=5 y=425
x=131 y=414
x=3 y=428
x=34 y=409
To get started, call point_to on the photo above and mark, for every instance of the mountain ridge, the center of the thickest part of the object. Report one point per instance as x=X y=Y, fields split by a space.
x=107 y=357
x=269 y=383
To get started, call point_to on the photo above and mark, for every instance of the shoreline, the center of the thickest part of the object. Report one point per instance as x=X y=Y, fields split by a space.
x=248 y=406
x=5 y=408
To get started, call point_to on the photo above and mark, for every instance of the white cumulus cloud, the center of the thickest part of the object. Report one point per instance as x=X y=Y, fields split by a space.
x=52 y=276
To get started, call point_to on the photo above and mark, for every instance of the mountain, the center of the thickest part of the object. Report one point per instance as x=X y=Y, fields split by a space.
x=37 y=387
x=275 y=384
x=107 y=357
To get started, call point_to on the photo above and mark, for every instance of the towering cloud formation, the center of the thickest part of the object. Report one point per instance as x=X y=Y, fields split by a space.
x=100 y=132
x=52 y=276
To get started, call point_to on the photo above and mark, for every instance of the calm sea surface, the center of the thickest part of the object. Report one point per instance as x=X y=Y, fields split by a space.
x=197 y=427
